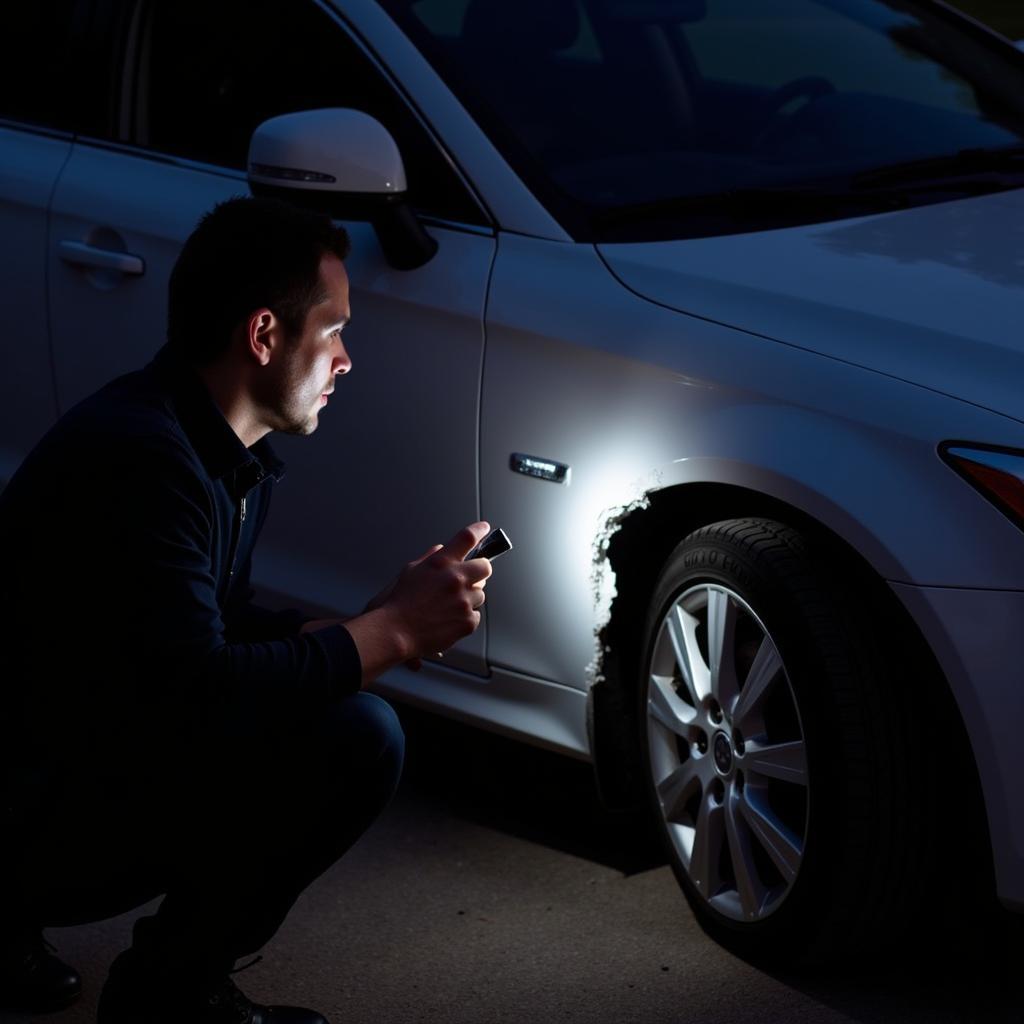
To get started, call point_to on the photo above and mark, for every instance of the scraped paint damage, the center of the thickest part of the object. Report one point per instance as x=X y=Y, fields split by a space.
x=602 y=575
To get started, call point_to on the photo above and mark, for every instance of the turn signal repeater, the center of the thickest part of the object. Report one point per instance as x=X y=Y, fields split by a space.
x=998 y=473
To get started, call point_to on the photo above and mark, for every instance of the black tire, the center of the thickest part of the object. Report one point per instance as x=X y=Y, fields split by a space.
x=861 y=824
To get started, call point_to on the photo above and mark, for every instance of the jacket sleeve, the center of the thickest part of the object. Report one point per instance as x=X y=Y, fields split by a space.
x=161 y=541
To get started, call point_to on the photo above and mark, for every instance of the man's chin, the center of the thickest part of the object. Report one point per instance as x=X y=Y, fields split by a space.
x=301 y=429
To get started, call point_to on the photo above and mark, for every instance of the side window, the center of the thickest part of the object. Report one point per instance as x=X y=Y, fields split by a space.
x=208 y=74
x=67 y=70
x=34 y=84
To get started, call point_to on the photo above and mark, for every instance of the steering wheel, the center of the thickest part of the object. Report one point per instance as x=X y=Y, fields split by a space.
x=813 y=87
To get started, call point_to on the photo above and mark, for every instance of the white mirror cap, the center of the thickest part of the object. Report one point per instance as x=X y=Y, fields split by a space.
x=332 y=150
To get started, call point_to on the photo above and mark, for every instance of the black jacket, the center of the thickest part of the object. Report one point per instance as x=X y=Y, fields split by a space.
x=126 y=540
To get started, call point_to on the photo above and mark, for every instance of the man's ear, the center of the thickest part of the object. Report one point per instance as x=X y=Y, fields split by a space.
x=263 y=334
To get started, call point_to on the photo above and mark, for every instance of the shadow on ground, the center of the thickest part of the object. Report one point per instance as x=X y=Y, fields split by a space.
x=523 y=791
x=973 y=971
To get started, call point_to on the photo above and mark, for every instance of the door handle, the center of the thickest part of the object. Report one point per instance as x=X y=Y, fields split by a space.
x=79 y=254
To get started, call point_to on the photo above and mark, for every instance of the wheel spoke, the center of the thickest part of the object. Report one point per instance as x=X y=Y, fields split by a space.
x=682 y=631
x=784 y=761
x=780 y=844
x=748 y=885
x=766 y=666
x=721 y=648
x=707 y=844
x=665 y=705
x=677 y=787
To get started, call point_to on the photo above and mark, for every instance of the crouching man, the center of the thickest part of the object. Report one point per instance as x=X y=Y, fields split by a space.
x=161 y=733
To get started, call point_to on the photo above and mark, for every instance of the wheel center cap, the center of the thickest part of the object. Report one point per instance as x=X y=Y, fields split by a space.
x=723 y=753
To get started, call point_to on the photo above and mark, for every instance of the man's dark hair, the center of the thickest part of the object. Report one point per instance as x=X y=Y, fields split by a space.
x=244 y=254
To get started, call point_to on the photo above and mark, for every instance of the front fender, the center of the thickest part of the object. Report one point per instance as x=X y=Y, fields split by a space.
x=637 y=398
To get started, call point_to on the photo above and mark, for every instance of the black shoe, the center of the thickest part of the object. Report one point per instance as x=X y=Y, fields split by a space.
x=135 y=996
x=34 y=980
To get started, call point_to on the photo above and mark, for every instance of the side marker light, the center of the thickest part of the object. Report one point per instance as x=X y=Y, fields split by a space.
x=997 y=473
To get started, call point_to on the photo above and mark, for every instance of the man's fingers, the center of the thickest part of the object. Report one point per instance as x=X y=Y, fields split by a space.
x=466 y=539
x=476 y=571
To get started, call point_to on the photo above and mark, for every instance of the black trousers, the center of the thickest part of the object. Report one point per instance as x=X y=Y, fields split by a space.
x=260 y=810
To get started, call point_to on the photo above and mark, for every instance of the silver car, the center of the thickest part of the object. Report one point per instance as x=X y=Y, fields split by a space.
x=714 y=305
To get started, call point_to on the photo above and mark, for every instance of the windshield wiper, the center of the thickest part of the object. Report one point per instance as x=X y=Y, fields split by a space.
x=939 y=169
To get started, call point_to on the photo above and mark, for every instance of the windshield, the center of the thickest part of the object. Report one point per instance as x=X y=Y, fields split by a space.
x=622 y=114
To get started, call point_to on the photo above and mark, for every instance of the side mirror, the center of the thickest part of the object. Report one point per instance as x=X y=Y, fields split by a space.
x=346 y=164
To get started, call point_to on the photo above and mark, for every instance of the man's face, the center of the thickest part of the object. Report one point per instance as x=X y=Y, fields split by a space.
x=311 y=361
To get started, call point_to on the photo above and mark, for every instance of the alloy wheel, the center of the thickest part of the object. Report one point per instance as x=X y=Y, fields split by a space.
x=727 y=753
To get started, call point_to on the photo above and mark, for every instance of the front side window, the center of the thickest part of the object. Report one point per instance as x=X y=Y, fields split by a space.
x=664 y=118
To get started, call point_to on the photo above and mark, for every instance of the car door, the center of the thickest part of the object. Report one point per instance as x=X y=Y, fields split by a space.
x=393 y=465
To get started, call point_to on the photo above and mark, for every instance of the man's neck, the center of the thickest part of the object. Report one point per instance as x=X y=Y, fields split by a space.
x=235 y=406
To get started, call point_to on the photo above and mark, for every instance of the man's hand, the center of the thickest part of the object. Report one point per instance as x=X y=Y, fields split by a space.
x=436 y=599
x=378 y=599
x=434 y=602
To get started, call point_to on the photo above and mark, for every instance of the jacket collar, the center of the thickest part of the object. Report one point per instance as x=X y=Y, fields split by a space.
x=219 y=448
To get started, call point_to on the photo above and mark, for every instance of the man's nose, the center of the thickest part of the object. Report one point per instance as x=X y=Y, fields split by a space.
x=342 y=362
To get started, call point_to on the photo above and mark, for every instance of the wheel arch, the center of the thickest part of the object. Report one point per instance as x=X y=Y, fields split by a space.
x=636 y=553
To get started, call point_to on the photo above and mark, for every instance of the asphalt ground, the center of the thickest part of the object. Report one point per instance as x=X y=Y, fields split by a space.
x=496 y=889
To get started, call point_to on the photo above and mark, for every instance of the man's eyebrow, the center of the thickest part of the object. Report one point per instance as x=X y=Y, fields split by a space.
x=341 y=323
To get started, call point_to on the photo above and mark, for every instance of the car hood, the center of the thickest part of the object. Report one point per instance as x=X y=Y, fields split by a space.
x=932 y=295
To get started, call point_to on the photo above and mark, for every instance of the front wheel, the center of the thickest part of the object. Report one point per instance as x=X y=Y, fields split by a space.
x=778 y=748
